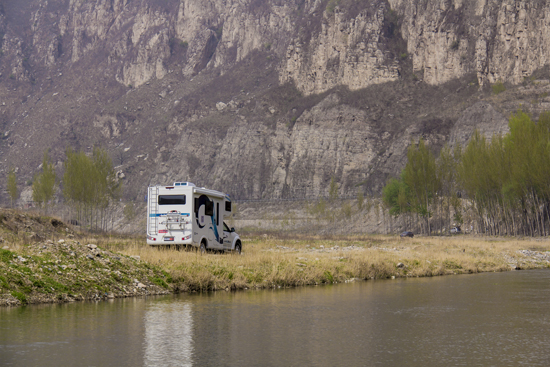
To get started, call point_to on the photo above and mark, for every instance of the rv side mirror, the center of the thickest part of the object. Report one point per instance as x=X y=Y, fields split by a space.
x=232 y=229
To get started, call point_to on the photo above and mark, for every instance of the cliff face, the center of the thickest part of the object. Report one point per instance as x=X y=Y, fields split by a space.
x=498 y=40
x=264 y=98
x=344 y=51
x=321 y=46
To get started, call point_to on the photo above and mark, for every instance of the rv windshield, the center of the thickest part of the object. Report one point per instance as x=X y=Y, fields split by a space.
x=171 y=199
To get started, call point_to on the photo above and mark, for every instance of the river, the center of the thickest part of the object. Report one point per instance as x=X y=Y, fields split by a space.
x=493 y=319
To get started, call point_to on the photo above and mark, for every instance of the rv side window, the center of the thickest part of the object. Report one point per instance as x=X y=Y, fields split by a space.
x=228 y=206
x=209 y=208
x=217 y=214
x=171 y=199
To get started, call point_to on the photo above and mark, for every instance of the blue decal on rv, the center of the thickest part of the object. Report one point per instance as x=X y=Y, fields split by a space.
x=215 y=227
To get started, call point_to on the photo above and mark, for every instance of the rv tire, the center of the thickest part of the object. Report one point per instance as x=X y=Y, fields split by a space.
x=238 y=247
x=202 y=248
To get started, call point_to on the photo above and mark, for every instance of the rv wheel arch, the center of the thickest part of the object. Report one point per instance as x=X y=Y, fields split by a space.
x=203 y=246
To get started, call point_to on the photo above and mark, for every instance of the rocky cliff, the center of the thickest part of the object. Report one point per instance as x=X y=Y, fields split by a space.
x=262 y=98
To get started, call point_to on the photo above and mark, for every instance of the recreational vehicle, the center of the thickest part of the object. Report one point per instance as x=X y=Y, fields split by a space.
x=183 y=214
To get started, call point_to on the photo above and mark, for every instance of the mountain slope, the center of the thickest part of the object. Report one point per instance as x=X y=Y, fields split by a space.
x=261 y=99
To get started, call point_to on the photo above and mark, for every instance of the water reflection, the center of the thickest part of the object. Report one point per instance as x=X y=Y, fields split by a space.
x=88 y=334
x=168 y=334
x=479 y=320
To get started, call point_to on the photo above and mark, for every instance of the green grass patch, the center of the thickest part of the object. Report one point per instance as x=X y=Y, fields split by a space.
x=6 y=256
x=159 y=281
x=38 y=283
x=25 y=269
x=20 y=296
x=57 y=287
x=167 y=276
x=78 y=284
x=328 y=276
x=4 y=282
x=451 y=264
x=253 y=277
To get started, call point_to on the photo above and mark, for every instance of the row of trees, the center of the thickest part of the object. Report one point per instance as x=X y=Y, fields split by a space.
x=44 y=183
x=501 y=184
x=89 y=185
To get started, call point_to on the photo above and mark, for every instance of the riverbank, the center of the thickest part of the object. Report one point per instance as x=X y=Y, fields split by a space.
x=269 y=262
x=44 y=260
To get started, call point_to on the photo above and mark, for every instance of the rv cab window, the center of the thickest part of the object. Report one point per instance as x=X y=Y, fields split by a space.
x=171 y=199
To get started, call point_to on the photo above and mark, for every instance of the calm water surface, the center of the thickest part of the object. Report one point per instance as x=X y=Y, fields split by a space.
x=497 y=319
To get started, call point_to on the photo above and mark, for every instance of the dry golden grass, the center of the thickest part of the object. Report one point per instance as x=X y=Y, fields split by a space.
x=283 y=262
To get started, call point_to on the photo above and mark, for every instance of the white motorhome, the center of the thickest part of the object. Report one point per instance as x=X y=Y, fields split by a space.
x=183 y=214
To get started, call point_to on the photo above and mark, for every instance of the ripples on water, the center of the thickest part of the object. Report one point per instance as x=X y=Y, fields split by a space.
x=479 y=320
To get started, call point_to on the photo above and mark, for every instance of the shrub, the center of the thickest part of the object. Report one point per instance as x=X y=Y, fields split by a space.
x=498 y=88
x=332 y=4
x=328 y=276
x=333 y=189
x=318 y=209
x=129 y=211
x=455 y=45
x=347 y=210
x=360 y=200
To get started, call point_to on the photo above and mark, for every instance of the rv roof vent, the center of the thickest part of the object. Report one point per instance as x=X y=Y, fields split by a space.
x=184 y=184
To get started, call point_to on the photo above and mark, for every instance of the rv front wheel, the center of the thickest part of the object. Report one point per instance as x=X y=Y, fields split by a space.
x=238 y=248
x=203 y=247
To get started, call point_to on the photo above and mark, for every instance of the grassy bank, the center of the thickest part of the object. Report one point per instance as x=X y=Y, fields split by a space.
x=68 y=270
x=279 y=262
x=58 y=265
x=42 y=260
